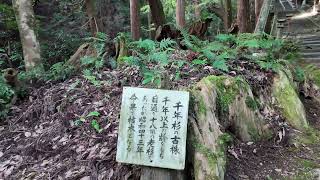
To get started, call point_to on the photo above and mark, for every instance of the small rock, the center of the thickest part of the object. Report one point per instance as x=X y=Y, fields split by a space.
x=8 y=171
x=244 y=176
x=85 y=178
x=1 y=154
x=278 y=170
x=316 y=174
x=44 y=163
x=249 y=143
x=255 y=151
x=27 y=134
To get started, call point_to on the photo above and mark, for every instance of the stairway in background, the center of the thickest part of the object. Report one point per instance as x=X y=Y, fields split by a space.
x=305 y=30
x=288 y=5
x=310 y=48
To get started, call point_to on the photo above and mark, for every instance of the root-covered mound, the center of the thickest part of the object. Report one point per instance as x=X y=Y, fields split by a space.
x=68 y=130
x=51 y=134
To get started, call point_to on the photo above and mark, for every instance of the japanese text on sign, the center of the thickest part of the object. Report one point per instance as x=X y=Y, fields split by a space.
x=153 y=128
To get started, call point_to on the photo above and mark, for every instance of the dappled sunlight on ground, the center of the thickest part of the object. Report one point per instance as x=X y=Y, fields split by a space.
x=309 y=14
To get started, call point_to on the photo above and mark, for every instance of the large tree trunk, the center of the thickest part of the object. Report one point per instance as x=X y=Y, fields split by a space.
x=26 y=24
x=157 y=12
x=180 y=13
x=227 y=18
x=134 y=18
x=258 y=6
x=224 y=12
x=243 y=16
x=91 y=12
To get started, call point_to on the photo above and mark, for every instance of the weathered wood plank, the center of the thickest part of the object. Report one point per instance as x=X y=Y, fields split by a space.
x=263 y=17
x=148 y=173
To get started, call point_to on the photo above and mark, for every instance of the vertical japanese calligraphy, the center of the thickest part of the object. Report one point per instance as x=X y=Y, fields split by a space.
x=176 y=126
x=131 y=122
x=153 y=128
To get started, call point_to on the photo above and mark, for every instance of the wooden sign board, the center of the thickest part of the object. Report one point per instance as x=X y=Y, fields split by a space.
x=153 y=128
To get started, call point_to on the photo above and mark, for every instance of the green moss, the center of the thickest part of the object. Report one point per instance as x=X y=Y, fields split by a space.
x=198 y=101
x=227 y=89
x=213 y=157
x=316 y=78
x=309 y=164
x=306 y=166
x=311 y=136
x=289 y=102
x=208 y=153
x=202 y=106
x=253 y=132
x=252 y=103
x=302 y=175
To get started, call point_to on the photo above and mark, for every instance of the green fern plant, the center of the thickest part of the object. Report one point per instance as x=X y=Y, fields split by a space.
x=220 y=65
x=152 y=77
x=167 y=44
x=6 y=94
x=59 y=71
x=225 y=38
x=147 y=52
x=88 y=75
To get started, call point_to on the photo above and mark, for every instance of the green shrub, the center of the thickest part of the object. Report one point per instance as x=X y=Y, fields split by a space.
x=6 y=95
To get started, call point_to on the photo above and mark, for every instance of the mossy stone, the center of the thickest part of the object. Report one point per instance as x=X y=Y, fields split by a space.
x=289 y=102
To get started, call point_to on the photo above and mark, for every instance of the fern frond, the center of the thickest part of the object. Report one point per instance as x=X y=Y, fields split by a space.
x=225 y=38
x=167 y=43
x=220 y=65
x=145 y=45
x=161 y=57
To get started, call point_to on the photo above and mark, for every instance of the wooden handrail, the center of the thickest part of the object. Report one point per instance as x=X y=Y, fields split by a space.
x=263 y=17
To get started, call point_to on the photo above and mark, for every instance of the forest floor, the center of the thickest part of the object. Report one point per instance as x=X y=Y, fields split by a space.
x=271 y=160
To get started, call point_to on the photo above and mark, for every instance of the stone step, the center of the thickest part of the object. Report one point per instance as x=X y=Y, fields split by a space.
x=310 y=46
x=311 y=54
x=310 y=50
x=305 y=35
x=311 y=42
x=311 y=38
x=312 y=60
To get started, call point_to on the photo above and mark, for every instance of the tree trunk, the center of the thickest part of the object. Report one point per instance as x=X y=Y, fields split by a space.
x=243 y=16
x=134 y=18
x=252 y=15
x=91 y=12
x=180 y=13
x=152 y=32
x=26 y=24
x=197 y=10
x=227 y=18
x=157 y=12
x=258 y=6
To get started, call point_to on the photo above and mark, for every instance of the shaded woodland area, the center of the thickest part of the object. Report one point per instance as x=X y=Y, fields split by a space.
x=251 y=68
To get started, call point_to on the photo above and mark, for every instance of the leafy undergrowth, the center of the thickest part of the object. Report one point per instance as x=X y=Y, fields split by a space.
x=68 y=129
